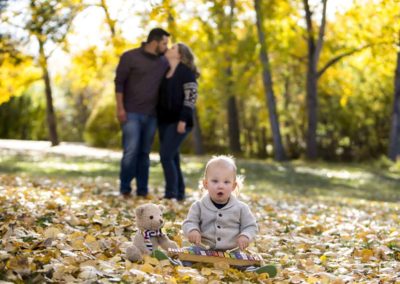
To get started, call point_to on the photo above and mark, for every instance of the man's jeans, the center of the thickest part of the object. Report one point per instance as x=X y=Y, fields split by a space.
x=170 y=141
x=137 y=137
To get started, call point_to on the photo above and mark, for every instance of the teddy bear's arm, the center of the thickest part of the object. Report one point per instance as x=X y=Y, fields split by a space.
x=166 y=243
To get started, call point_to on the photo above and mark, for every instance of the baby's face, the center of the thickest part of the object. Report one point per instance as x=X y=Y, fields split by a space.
x=220 y=181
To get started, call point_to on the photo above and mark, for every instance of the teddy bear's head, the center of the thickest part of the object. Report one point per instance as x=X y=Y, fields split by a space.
x=149 y=217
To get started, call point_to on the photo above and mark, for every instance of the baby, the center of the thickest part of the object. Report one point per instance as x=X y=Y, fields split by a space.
x=218 y=220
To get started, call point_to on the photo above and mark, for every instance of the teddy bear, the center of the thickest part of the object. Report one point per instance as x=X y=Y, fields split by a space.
x=149 y=221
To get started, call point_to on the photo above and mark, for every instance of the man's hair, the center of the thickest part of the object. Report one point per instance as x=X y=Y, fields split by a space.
x=156 y=34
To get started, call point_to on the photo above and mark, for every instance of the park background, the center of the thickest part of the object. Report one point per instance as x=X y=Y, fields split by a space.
x=305 y=94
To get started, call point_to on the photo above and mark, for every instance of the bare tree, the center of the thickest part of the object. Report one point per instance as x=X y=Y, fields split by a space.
x=233 y=114
x=394 y=144
x=314 y=52
x=279 y=151
x=49 y=22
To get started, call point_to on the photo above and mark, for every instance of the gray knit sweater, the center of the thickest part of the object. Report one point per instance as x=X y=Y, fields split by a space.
x=220 y=228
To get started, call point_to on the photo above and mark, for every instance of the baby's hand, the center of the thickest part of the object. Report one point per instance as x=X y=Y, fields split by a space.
x=194 y=237
x=243 y=242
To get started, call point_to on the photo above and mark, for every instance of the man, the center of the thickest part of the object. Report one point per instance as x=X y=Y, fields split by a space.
x=138 y=76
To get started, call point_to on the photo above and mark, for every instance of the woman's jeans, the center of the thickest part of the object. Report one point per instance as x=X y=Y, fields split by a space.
x=170 y=142
x=137 y=137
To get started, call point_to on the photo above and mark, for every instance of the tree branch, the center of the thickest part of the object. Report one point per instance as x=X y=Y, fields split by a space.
x=345 y=54
x=321 y=33
x=308 y=21
x=62 y=39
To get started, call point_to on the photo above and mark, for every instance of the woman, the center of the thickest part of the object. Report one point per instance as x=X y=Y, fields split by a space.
x=178 y=94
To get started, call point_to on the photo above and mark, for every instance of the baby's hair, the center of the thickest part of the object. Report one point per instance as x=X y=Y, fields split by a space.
x=229 y=160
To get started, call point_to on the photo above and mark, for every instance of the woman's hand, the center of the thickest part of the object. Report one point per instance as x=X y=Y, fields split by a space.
x=243 y=242
x=181 y=128
x=194 y=237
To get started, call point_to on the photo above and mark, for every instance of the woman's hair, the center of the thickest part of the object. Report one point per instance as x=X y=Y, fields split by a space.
x=187 y=58
x=226 y=160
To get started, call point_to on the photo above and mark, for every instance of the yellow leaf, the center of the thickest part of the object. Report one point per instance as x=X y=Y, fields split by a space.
x=284 y=260
x=75 y=235
x=77 y=244
x=147 y=268
x=151 y=260
x=184 y=279
x=93 y=246
x=90 y=239
x=51 y=232
x=263 y=277
x=51 y=204
x=178 y=239
x=164 y=262
x=171 y=280
x=323 y=259
x=206 y=271
x=88 y=263
x=312 y=280
x=366 y=254
x=362 y=235
x=19 y=264
x=102 y=257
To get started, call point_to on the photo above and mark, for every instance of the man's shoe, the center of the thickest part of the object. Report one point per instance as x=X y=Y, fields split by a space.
x=126 y=195
x=141 y=196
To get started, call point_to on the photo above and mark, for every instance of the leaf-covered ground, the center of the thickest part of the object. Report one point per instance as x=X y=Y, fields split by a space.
x=65 y=223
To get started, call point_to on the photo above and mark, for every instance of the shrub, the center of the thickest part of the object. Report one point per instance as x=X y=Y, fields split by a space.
x=102 y=128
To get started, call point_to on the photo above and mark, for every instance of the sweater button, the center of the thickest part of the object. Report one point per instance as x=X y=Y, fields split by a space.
x=220 y=215
x=218 y=239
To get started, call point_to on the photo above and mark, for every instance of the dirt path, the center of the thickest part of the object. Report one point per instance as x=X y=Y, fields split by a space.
x=65 y=148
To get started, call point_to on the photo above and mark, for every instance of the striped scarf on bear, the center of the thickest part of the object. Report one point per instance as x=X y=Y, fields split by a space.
x=147 y=234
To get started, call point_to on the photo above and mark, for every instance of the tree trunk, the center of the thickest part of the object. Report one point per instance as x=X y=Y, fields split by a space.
x=50 y=114
x=312 y=109
x=233 y=125
x=197 y=137
x=279 y=151
x=233 y=115
x=314 y=51
x=394 y=144
x=262 y=152
x=288 y=137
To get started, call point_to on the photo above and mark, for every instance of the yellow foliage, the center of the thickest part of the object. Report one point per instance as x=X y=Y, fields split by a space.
x=151 y=260
x=52 y=232
x=366 y=254
x=90 y=239
x=147 y=268
x=15 y=78
x=206 y=271
x=343 y=101
x=323 y=259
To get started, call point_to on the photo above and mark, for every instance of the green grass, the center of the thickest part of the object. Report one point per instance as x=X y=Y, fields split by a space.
x=378 y=181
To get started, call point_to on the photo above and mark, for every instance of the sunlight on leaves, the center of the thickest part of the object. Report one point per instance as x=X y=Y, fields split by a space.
x=76 y=233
